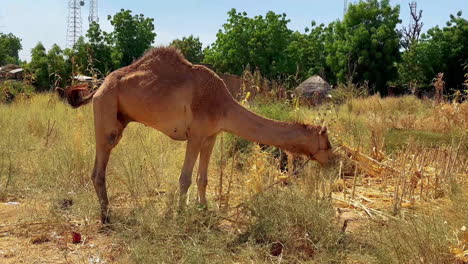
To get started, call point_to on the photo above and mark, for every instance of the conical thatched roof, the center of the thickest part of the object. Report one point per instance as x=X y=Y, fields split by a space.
x=312 y=87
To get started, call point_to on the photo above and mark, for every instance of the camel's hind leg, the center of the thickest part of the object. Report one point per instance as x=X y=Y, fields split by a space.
x=202 y=180
x=108 y=133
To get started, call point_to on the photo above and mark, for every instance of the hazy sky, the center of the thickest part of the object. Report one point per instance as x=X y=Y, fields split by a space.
x=46 y=20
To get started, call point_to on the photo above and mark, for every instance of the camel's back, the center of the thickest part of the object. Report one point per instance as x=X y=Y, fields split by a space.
x=209 y=92
x=164 y=83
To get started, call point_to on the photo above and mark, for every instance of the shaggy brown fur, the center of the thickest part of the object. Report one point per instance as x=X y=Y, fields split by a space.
x=78 y=95
x=186 y=102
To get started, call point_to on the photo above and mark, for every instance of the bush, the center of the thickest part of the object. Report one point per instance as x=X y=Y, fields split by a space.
x=9 y=90
x=297 y=226
x=343 y=93
x=420 y=239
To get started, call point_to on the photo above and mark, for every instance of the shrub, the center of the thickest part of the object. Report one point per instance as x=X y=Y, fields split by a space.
x=9 y=90
x=343 y=93
x=419 y=239
x=296 y=225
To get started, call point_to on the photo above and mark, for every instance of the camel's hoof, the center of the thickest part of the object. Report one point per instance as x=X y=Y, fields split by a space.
x=105 y=219
x=106 y=229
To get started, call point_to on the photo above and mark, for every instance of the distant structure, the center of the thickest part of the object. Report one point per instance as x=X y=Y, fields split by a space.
x=93 y=11
x=345 y=8
x=75 y=23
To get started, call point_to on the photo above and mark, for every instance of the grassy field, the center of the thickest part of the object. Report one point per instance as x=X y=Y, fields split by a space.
x=398 y=195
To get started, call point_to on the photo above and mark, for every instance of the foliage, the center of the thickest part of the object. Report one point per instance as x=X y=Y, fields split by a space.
x=259 y=42
x=365 y=45
x=409 y=70
x=306 y=51
x=57 y=68
x=49 y=69
x=343 y=93
x=10 y=45
x=9 y=90
x=301 y=226
x=101 y=54
x=191 y=47
x=100 y=47
x=421 y=238
x=132 y=35
x=39 y=67
x=444 y=50
x=107 y=51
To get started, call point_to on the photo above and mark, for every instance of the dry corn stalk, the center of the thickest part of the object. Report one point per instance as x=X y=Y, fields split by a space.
x=367 y=164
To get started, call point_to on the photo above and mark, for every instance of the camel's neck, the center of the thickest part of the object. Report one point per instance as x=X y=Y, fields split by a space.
x=250 y=126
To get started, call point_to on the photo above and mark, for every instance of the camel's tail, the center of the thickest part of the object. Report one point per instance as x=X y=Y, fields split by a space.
x=79 y=95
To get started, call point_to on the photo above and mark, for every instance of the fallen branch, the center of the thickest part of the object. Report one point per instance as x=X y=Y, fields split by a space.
x=369 y=211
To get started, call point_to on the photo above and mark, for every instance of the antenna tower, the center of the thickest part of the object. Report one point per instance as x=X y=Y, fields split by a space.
x=75 y=24
x=93 y=11
x=345 y=8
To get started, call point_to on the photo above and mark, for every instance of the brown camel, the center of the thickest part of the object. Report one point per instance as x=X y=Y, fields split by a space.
x=186 y=102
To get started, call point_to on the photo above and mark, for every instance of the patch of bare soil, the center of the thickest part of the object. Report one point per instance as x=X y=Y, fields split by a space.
x=23 y=241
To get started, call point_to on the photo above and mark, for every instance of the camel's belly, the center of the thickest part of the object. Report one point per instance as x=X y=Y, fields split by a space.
x=169 y=113
x=176 y=131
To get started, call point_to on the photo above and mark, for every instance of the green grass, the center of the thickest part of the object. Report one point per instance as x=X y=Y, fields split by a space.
x=397 y=138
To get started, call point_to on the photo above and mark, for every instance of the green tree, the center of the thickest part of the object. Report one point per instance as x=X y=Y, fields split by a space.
x=80 y=57
x=56 y=67
x=132 y=36
x=191 y=47
x=409 y=70
x=100 y=44
x=307 y=51
x=39 y=67
x=10 y=45
x=259 y=42
x=445 y=50
x=365 y=45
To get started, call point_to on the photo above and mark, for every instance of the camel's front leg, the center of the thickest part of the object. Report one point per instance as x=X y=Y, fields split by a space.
x=202 y=180
x=185 y=180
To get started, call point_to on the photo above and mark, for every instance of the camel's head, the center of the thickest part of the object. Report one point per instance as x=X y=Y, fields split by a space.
x=320 y=149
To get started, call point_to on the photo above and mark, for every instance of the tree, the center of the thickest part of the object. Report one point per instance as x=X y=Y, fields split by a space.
x=411 y=34
x=365 y=45
x=132 y=36
x=10 y=45
x=306 y=52
x=80 y=57
x=445 y=50
x=39 y=67
x=409 y=70
x=56 y=67
x=100 y=47
x=259 y=42
x=191 y=47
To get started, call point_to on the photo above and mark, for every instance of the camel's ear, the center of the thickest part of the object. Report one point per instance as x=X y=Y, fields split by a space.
x=323 y=130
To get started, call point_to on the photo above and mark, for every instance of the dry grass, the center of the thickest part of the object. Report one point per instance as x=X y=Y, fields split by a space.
x=410 y=213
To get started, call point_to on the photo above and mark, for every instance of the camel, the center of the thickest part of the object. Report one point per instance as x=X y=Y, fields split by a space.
x=186 y=102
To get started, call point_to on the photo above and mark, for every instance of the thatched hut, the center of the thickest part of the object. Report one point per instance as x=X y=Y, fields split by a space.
x=313 y=90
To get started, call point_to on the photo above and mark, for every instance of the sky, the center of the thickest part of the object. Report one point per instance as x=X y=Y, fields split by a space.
x=46 y=20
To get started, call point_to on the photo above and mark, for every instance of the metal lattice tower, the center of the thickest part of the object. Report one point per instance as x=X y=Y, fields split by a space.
x=93 y=11
x=75 y=23
x=345 y=8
